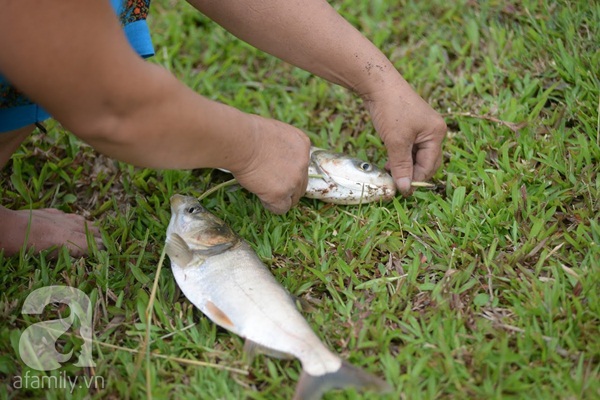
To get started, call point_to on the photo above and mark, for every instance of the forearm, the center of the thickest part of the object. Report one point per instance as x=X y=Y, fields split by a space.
x=309 y=34
x=93 y=83
x=167 y=125
x=313 y=36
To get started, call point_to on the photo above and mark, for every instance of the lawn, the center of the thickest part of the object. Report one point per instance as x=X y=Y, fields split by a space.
x=486 y=287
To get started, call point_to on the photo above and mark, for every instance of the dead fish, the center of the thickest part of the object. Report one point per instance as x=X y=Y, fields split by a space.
x=221 y=275
x=341 y=179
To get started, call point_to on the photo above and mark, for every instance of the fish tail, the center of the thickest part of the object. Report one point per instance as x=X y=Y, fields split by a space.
x=312 y=387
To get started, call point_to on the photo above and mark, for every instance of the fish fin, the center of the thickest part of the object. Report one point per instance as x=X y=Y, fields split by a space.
x=213 y=241
x=251 y=349
x=218 y=316
x=215 y=249
x=312 y=387
x=178 y=250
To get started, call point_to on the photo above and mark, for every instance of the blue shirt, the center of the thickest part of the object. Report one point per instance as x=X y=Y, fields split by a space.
x=17 y=111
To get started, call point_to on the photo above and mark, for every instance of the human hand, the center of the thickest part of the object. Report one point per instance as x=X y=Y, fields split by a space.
x=277 y=167
x=411 y=130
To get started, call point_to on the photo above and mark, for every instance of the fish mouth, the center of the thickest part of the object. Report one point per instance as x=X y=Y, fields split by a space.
x=384 y=182
x=177 y=200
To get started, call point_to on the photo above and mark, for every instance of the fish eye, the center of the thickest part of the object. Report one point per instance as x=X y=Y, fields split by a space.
x=365 y=166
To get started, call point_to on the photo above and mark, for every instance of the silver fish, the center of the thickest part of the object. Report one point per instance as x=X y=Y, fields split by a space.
x=340 y=179
x=221 y=275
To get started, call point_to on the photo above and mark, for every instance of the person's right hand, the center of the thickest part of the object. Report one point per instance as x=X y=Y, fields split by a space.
x=277 y=167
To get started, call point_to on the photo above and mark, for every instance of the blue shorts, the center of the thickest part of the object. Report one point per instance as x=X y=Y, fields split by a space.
x=17 y=111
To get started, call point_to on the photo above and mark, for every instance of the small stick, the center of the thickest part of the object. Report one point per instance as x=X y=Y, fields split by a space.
x=426 y=185
x=217 y=187
x=515 y=127
x=152 y=354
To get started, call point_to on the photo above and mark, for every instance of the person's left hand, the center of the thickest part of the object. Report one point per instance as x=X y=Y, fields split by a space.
x=411 y=130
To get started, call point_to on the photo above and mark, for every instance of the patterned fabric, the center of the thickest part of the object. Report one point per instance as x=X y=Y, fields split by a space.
x=134 y=10
x=11 y=97
x=16 y=110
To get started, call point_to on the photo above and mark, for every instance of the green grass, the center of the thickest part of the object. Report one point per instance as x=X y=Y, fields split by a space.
x=487 y=287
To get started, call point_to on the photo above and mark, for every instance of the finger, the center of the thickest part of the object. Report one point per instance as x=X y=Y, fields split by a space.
x=427 y=161
x=100 y=243
x=301 y=190
x=93 y=229
x=86 y=226
x=280 y=207
x=400 y=164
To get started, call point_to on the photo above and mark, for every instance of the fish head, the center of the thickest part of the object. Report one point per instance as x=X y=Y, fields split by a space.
x=348 y=180
x=187 y=215
x=197 y=227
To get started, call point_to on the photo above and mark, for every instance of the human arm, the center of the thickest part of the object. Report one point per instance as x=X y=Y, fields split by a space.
x=313 y=36
x=73 y=58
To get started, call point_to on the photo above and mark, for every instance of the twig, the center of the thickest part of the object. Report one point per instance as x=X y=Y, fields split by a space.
x=416 y=184
x=425 y=185
x=548 y=339
x=216 y=187
x=515 y=127
x=168 y=335
x=163 y=356
x=149 y=321
x=177 y=359
x=144 y=348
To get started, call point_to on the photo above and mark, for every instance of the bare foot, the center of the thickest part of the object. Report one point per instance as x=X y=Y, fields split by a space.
x=47 y=228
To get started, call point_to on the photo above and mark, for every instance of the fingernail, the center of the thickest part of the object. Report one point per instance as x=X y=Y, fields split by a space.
x=403 y=185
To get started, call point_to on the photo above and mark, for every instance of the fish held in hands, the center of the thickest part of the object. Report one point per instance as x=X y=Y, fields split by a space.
x=341 y=179
x=221 y=275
